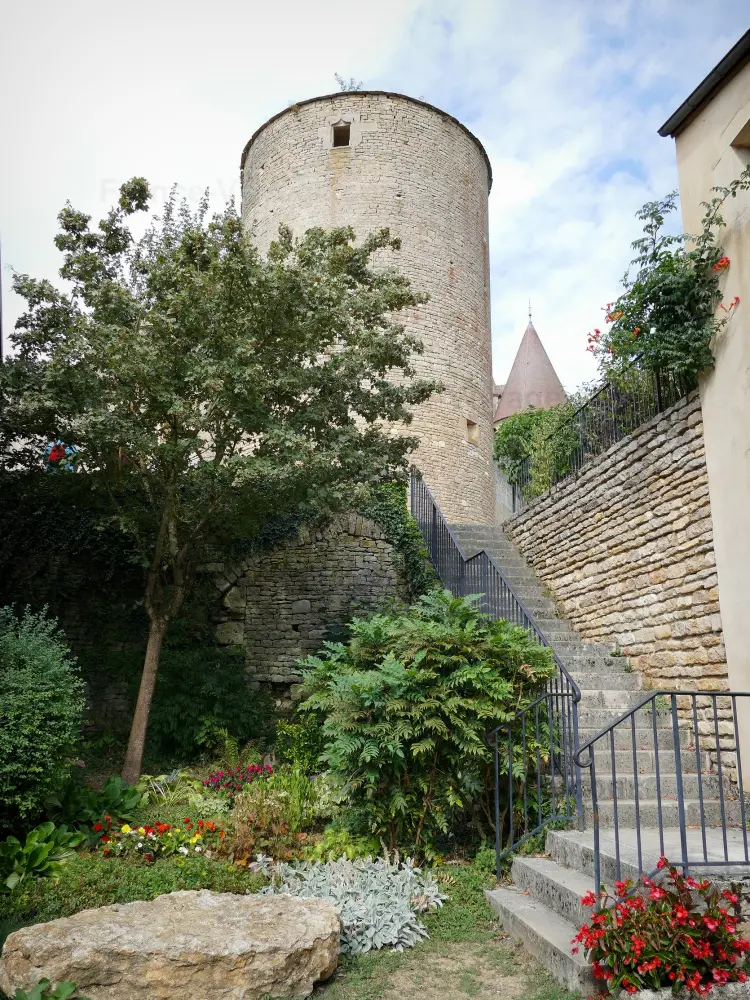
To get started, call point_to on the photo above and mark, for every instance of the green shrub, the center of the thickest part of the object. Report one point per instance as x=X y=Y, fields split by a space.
x=406 y=707
x=198 y=691
x=300 y=797
x=338 y=842
x=42 y=855
x=79 y=805
x=42 y=702
x=299 y=743
x=201 y=696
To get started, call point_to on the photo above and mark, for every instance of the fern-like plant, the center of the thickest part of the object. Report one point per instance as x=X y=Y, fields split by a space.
x=406 y=706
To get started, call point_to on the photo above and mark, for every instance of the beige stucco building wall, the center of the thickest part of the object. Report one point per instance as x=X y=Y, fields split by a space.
x=416 y=170
x=713 y=149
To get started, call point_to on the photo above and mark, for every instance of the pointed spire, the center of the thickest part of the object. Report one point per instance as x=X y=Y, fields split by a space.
x=532 y=380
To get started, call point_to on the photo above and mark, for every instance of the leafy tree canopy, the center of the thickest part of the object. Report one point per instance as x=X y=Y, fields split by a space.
x=206 y=386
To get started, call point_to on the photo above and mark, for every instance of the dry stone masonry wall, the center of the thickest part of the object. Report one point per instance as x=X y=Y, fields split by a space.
x=627 y=550
x=416 y=170
x=280 y=605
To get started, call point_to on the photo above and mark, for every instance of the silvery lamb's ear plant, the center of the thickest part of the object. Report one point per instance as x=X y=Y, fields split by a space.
x=378 y=900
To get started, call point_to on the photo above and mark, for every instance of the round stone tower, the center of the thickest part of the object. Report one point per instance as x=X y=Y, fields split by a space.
x=371 y=159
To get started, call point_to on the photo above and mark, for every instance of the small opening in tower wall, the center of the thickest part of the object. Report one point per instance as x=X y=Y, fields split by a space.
x=341 y=133
x=472 y=432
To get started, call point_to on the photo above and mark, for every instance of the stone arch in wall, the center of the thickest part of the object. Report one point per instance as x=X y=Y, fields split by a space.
x=281 y=604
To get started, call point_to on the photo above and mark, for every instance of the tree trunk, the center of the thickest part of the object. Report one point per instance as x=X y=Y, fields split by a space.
x=131 y=770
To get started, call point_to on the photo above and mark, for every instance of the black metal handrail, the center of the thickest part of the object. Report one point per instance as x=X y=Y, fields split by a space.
x=691 y=751
x=558 y=782
x=611 y=413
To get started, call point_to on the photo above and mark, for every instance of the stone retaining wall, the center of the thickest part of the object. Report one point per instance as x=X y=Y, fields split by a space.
x=280 y=605
x=627 y=550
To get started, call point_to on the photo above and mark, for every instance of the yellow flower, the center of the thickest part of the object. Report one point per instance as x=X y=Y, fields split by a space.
x=169 y=834
x=193 y=840
x=141 y=829
x=198 y=836
x=125 y=829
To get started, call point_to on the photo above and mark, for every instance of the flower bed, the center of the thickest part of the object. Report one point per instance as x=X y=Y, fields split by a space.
x=158 y=840
x=235 y=780
x=679 y=934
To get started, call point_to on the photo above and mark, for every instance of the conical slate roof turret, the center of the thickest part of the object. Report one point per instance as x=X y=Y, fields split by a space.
x=532 y=380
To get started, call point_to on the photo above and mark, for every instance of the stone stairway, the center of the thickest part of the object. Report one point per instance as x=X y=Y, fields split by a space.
x=542 y=908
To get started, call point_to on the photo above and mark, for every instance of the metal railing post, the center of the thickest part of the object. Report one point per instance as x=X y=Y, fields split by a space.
x=680 y=789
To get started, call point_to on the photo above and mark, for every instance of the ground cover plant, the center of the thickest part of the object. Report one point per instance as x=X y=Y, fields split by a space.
x=677 y=932
x=41 y=854
x=44 y=990
x=405 y=708
x=164 y=357
x=379 y=900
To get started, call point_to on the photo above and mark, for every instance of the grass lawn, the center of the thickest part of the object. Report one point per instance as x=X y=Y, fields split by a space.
x=467 y=955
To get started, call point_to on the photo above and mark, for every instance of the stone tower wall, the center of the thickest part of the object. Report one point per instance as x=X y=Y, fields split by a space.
x=418 y=171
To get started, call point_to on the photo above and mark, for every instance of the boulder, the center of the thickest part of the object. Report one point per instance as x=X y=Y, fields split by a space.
x=205 y=945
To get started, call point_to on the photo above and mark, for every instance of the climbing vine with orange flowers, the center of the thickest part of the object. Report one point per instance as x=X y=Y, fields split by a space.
x=672 y=306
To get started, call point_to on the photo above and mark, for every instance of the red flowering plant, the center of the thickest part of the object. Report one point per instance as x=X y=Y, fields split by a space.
x=672 y=304
x=678 y=932
x=152 y=841
x=235 y=780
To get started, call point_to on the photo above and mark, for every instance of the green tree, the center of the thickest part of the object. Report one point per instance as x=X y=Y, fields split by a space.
x=513 y=440
x=535 y=448
x=207 y=387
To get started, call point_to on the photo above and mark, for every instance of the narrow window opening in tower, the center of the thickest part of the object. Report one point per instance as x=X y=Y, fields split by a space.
x=341 y=133
x=472 y=432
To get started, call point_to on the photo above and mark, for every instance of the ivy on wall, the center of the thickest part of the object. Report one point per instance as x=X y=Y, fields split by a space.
x=387 y=507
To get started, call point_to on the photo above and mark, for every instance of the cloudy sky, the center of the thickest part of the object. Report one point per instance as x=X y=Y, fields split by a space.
x=566 y=95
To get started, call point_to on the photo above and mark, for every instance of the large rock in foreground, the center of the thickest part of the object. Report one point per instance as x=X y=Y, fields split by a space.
x=204 y=945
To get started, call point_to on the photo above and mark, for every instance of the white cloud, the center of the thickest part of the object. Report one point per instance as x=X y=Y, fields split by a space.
x=566 y=97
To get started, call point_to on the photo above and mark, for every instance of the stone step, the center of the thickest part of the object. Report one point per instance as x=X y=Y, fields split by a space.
x=575 y=849
x=584 y=650
x=522 y=583
x=648 y=812
x=647 y=786
x=555 y=637
x=606 y=680
x=646 y=762
x=600 y=717
x=617 y=700
x=544 y=933
x=558 y=888
x=552 y=624
x=644 y=738
x=582 y=659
